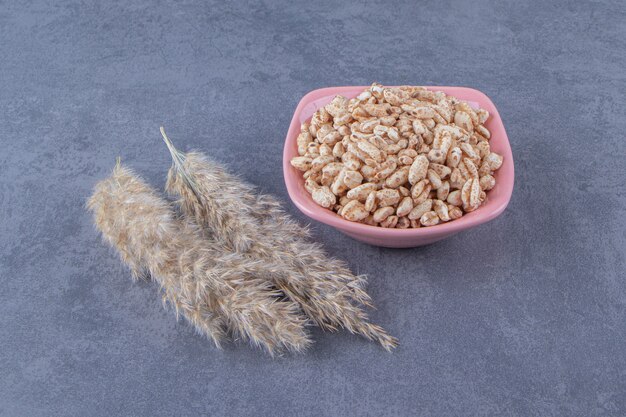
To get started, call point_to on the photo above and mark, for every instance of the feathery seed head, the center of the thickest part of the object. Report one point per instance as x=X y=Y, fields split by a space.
x=255 y=225
x=214 y=289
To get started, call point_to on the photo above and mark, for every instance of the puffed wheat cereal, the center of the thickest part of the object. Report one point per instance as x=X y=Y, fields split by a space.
x=397 y=157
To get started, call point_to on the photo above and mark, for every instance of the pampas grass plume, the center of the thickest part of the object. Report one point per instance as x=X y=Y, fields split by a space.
x=257 y=226
x=218 y=291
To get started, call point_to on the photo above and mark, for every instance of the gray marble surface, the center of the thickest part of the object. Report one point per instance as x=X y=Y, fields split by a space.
x=525 y=315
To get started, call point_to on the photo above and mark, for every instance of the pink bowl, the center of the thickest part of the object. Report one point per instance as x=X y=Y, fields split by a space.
x=497 y=199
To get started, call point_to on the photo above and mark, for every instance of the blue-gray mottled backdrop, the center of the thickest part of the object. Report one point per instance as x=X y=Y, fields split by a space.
x=525 y=315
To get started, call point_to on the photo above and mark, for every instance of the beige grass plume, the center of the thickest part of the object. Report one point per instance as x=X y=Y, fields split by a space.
x=228 y=208
x=215 y=290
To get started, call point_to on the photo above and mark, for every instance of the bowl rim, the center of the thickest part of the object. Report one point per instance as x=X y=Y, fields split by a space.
x=326 y=216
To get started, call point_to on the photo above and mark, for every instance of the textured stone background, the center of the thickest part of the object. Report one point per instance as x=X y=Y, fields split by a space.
x=522 y=316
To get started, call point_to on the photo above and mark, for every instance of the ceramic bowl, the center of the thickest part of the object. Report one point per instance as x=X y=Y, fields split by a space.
x=497 y=198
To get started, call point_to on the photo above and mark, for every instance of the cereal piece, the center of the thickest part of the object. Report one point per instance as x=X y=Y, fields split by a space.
x=411 y=153
x=325 y=150
x=320 y=162
x=470 y=195
x=338 y=106
x=362 y=191
x=380 y=129
x=454 y=198
x=387 y=197
x=430 y=124
x=386 y=169
x=441 y=170
x=405 y=160
x=324 y=197
x=313 y=149
x=487 y=182
x=472 y=171
x=371 y=150
x=464 y=121
x=420 y=112
x=425 y=194
x=494 y=160
x=364 y=95
x=441 y=209
x=331 y=138
x=464 y=173
x=369 y=220
x=443 y=191
x=454 y=212
x=405 y=207
x=424 y=148
x=369 y=126
x=370 y=202
x=455 y=132
x=360 y=136
x=377 y=110
x=485 y=169
x=303 y=140
x=380 y=143
x=454 y=157
x=354 y=211
x=310 y=185
x=326 y=179
x=442 y=141
x=314 y=176
x=398 y=178
x=393 y=134
x=343 y=130
x=418 y=169
x=436 y=156
x=393 y=149
x=301 y=163
x=413 y=142
x=483 y=115
x=469 y=151
x=403 y=223
x=332 y=169
x=338 y=187
x=482 y=130
x=369 y=173
x=435 y=180
x=387 y=120
x=352 y=179
x=418 y=188
x=419 y=209
x=430 y=218
x=395 y=96
x=321 y=117
x=323 y=130
x=456 y=179
x=418 y=127
x=483 y=148
x=350 y=161
x=382 y=213
x=390 y=222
